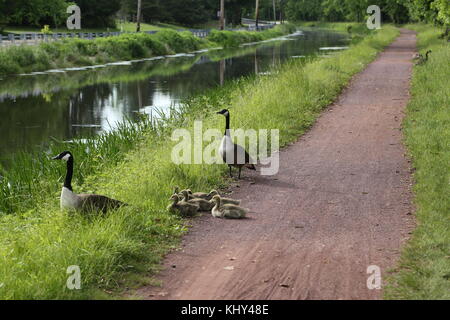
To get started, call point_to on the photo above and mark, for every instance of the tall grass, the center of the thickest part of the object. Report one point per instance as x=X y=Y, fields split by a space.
x=424 y=270
x=38 y=242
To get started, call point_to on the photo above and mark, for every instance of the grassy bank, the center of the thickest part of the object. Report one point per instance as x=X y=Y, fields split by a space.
x=38 y=242
x=229 y=39
x=81 y=52
x=424 y=271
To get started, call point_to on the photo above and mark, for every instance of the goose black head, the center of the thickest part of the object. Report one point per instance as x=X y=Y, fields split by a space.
x=66 y=155
x=224 y=112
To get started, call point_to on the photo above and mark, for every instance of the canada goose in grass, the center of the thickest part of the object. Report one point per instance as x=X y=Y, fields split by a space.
x=185 y=209
x=349 y=29
x=203 y=204
x=82 y=202
x=229 y=211
x=420 y=59
x=233 y=154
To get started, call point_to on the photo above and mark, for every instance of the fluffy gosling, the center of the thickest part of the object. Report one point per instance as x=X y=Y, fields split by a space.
x=185 y=209
x=203 y=204
x=229 y=211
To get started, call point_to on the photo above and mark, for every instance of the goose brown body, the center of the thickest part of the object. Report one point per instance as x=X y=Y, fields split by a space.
x=82 y=202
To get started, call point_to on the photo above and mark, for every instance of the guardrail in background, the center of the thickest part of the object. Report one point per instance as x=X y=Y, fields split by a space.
x=36 y=37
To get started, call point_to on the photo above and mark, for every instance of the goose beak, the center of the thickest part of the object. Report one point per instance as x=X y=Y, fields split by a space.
x=55 y=157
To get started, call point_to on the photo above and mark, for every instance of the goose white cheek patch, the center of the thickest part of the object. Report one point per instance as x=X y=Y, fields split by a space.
x=66 y=157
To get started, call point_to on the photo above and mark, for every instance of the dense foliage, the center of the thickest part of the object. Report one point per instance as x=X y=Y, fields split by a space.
x=398 y=11
x=102 y=13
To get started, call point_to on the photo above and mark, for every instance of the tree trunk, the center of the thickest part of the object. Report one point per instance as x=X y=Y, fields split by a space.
x=222 y=15
x=274 y=12
x=138 y=17
x=257 y=14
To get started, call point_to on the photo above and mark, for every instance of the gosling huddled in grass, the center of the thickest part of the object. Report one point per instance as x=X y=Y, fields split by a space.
x=183 y=208
x=203 y=204
x=229 y=211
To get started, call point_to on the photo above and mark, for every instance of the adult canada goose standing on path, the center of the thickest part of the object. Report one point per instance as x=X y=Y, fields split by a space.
x=82 y=202
x=233 y=154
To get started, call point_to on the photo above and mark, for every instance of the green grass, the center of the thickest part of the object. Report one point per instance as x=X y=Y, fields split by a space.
x=424 y=271
x=235 y=38
x=38 y=242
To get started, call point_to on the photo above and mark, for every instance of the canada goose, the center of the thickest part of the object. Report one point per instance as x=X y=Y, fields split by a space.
x=349 y=29
x=229 y=211
x=203 y=204
x=82 y=202
x=420 y=59
x=186 y=209
x=231 y=153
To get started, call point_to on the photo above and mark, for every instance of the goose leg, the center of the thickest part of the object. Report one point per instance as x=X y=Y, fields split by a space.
x=239 y=177
x=231 y=175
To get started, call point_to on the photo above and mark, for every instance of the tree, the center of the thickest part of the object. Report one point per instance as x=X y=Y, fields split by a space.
x=98 y=13
x=138 y=16
x=443 y=9
x=257 y=13
x=332 y=10
x=306 y=10
x=222 y=15
x=34 y=12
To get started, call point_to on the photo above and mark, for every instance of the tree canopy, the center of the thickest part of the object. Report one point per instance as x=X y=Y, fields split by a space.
x=103 y=13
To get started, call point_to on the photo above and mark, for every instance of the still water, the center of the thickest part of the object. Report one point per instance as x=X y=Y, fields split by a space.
x=64 y=104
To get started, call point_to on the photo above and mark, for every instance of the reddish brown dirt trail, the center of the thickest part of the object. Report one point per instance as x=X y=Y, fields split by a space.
x=340 y=203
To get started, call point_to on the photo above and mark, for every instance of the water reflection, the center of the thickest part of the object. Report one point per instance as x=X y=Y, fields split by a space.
x=36 y=108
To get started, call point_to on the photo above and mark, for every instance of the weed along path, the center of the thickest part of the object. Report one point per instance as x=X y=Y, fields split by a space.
x=340 y=203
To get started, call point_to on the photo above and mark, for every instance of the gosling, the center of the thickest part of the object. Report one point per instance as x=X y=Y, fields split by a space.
x=209 y=196
x=185 y=209
x=202 y=195
x=229 y=211
x=203 y=204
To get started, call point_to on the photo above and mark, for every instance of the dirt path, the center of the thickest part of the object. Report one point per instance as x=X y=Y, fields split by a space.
x=340 y=203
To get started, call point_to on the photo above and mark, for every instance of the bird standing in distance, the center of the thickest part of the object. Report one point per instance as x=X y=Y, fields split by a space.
x=233 y=154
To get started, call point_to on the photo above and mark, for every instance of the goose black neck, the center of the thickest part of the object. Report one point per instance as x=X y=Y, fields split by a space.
x=69 y=174
x=227 y=124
